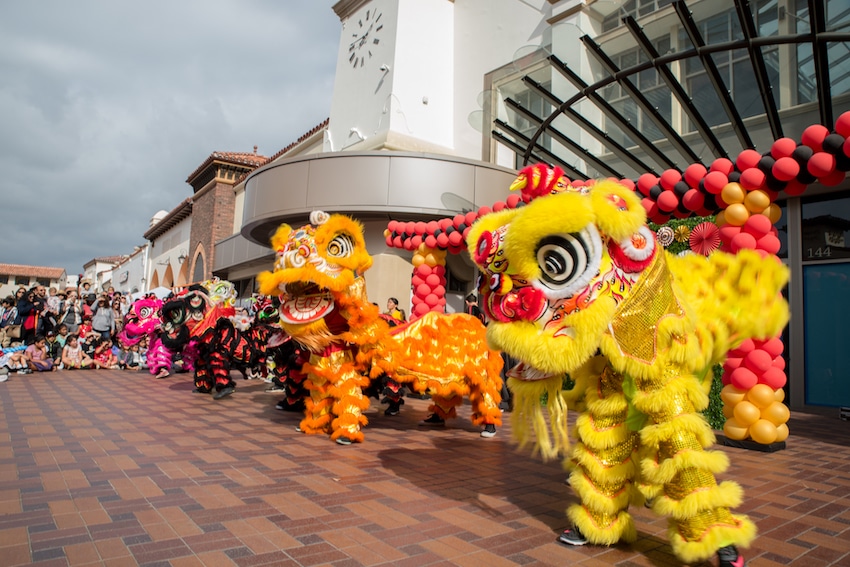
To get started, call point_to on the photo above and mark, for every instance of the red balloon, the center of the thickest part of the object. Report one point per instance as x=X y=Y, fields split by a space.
x=397 y=242
x=774 y=347
x=416 y=281
x=419 y=227
x=757 y=225
x=458 y=220
x=443 y=240
x=746 y=346
x=422 y=290
x=842 y=125
x=445 y=223
x=769 y=243
x=813 y=136
x=732 y=363
x=408 y=244
x=389 y=240
x=650 y=206
x=693 y=200
x=470 y=217
x=743 y=241
x=752 y=178
x=646 y=182
x=779 y=363
x=431 y=300
x=439 y=270
x=758 y=360
x=747 y=159
x=722 y=165
x=821 y=164
x=773 y=377
x=679 y=214
x=499 y=206
x=669 y=178
x=715 y=181
x=455 y=239
x=833 y=179
x=421 y=309
x=795 y=188
x=785 y=168
x=694 y=173
x=485 y=210
x=432 y=226
x=431 y=241
x=743 y=378
x=627 y=183
x=667 y=201
x=416 y=241
x=410 y=228
x=660 y=218
x=512 y=200
x=433 y=280
x=783 y=147
x=423 y=271
x=440 y=291
x=728 y=232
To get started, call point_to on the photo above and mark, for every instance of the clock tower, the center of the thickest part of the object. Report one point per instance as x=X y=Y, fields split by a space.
x=394 y=77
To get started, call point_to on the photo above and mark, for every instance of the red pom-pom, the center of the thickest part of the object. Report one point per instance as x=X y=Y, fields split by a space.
x=512 y=200
x=667 y=201
x=694 y=173
x=715 y=181
x=499 y=206
x=752 y=178
x=757 y=225
x=821 y=164
x=722 y=165
x=747 y=159
x=669 y=179
x=785 y=168
x=813 y=136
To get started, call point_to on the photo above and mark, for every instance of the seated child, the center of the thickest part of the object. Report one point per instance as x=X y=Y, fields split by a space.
x=73 y=355
x=133 y=358
x=102 y=356
x=14 y=359
x=37 y=355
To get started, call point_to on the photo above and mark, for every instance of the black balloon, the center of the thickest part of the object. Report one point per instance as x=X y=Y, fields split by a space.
x=655 y=192
x=680 y=189
x=834 y=144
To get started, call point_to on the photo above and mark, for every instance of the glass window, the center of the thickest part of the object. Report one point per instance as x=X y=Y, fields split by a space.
x=43 y=281
x=826 y=228
x=826 y=296
x=4 y=279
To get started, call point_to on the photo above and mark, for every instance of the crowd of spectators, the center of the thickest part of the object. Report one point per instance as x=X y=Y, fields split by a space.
x=65 y=328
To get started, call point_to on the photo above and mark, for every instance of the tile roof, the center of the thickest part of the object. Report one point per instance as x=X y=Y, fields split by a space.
x=317 y=128
x=177 y=214
x=32 y=271
x=242 y=158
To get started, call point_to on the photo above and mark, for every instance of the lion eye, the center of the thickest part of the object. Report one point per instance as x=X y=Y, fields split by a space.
x=341 y=246
x=567 y=261
x=145 y=312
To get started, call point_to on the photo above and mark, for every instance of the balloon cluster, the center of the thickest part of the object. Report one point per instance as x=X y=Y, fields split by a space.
x=753 y=378
x=822 y=155
x=429 y=280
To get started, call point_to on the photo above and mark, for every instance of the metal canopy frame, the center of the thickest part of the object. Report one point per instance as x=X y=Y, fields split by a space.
x=640 y=157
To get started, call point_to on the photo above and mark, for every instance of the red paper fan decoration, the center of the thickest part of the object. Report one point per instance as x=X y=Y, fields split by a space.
x=705 y=238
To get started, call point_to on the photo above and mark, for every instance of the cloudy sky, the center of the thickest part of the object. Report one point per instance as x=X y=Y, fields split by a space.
x=107 y=107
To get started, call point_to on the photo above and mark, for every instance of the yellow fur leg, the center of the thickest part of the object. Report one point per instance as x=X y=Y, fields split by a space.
x=601 y=529
x=692 y=548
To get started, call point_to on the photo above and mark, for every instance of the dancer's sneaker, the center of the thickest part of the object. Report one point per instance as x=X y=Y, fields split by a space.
x=489 y=431
x=343 y=441
x=572 y=536
x=226 y=391
x=729 y=557
x=433 y=419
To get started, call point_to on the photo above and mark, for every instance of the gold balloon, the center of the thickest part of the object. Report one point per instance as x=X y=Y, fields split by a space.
x=782 y=432
x=746 y=413
x=761 y=395
x=431 y=260
x=763 y=432
x=736 y=214
x=756 y=201
x=779 y=395
x=728 y=411
x=418 y=260
x=733 y=430
x=776 y=413
x=731 y=395
x=773 y=212
x=720 y=218
x=732 y=193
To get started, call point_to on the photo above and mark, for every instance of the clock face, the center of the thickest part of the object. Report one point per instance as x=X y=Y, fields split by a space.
x=365 y=37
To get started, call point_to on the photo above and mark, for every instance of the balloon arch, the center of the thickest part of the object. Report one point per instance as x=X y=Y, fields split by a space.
x=741 y=195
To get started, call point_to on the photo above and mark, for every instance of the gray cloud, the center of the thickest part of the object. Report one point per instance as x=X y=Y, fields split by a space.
x=106 y=107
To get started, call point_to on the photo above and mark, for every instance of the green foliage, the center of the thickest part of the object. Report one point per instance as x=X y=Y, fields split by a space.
x=676 y=247
x=714 y=412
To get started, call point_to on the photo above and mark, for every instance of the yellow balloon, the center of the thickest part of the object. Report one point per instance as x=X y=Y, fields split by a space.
x=720 y=219
x=746 y=413
x=773 y=212
x=728 y=411
x=431 y=260
x=733 y=430
x=736 y=214
x=731 y=395
x=779 y=395
x=761 y=395
x=763 y=432
x=418 y=260
x=776 y=413
x=732 y=193
x=782 y=432
x=756 y=201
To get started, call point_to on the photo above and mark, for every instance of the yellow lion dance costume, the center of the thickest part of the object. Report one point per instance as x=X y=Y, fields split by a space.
x=318 y=275
x=575 y=283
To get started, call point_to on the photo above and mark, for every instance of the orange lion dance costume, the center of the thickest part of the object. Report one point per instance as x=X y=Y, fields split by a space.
x=319 y=277
x=575 y=283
